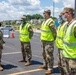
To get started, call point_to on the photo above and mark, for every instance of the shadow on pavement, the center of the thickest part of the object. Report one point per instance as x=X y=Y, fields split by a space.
x=33 y=62
x=9 y=66
x=55 y=70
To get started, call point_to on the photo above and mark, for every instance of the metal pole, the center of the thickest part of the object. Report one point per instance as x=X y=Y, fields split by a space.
x=53 y=8
x=75 y=8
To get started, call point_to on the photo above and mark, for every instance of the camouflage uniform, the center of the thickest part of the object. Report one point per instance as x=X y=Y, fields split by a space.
x=48 y=35
x=60 y=55
x=60 y=61
x=26 y=47
x=69 y=64
x=1 y=47
x=26 y=50
x=48 y=48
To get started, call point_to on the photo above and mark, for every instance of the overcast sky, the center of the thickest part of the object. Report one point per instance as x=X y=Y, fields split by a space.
x=14 y=9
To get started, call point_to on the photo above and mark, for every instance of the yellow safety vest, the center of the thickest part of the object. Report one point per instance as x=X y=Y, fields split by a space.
x=69 y=42
x=24 y=33
x=60 y=35
x=46 y=33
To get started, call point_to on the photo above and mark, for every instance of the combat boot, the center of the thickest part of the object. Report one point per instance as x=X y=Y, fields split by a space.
x=1 y=68
x=48 y=72
x=22 y=60
x=43 y=67
x=28 y=62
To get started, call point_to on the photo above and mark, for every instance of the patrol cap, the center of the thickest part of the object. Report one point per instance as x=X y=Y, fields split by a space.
x=67 y=9
x=23 y=17
x=47 y=11
x=61 y=14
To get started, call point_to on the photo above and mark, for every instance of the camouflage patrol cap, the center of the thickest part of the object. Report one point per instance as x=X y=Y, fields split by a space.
x=67 y=9
x=61 y=14
x=47 y=11
x=23 y=17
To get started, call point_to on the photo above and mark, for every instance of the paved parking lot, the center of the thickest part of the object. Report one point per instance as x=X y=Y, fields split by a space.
x=12 y=53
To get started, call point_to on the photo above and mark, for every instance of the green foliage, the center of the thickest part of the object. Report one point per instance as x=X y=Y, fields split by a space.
x=54 y=18
x=28 y=17
x=37 y=16
x=34 y=16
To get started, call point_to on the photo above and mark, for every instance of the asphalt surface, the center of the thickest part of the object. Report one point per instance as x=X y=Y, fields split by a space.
x=12 y=53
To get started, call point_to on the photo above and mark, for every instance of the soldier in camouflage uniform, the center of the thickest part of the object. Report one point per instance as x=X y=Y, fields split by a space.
x=59 y=41
x=1 y=47
x=69 y=42
x=26 y=33
x=48 y=35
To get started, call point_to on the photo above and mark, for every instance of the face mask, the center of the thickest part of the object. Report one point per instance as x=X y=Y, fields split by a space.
x=63 y=18
x=59 y=20
x=21 y=22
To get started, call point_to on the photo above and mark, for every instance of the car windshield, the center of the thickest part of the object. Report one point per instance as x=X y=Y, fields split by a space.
x=7 y=27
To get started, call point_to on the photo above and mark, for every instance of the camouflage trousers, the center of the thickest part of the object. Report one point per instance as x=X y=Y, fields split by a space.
x=69 y=66
x=60 y=57
x=60 y=61
x=48 y=48
x=0 y=55
x=26 y=50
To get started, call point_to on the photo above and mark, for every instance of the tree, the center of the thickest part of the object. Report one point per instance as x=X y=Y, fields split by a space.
x=34 y=16
x=37 y=16
x=28 y=17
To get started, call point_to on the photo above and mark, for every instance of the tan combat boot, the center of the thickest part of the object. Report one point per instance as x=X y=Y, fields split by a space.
x=43 y=67
x=49 y=72
x=28 y=63
x=1 y=68
x=22 y=60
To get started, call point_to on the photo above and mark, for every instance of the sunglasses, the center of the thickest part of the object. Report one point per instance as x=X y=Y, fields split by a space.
x=65 y=13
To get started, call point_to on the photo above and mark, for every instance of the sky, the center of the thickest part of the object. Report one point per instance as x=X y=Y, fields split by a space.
x=14 y=9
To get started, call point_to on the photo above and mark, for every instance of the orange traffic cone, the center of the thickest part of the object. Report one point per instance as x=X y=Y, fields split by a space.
x=12 y=34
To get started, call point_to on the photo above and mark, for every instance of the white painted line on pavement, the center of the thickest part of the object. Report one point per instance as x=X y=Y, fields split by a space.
x=29 y=71
x=11 y=53
x=18 y=53
x=24 y=72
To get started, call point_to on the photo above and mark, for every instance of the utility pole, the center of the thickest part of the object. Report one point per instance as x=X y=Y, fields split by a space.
x=53 y=8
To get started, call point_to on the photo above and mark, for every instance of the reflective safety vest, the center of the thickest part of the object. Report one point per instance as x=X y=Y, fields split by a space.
x=46 y=33
x=69 y=41
x=24 y=33
x=60 y=35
